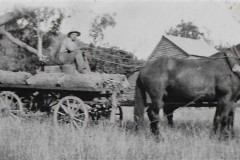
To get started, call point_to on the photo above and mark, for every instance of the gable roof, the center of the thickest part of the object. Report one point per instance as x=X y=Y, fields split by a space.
x=192 y=46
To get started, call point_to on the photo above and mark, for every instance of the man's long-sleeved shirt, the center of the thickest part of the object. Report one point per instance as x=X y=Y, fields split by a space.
x=68 y=45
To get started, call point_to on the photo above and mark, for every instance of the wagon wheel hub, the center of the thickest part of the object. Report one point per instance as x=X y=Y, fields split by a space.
x=5 y=112
x=66 y=118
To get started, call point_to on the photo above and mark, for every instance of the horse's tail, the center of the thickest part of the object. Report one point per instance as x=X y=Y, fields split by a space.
x=140 y=102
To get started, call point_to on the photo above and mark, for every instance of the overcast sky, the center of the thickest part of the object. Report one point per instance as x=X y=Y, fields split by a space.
x=141 y=23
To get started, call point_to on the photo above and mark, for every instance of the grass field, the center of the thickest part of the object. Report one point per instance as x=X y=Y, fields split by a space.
x=37 y=139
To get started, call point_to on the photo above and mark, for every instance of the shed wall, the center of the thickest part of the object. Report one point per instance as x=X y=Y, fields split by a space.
x=166 y=48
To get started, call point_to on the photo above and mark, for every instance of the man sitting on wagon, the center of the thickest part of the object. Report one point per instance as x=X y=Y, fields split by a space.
x=71 y=53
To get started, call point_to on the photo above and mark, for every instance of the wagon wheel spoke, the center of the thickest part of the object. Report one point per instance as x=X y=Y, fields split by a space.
x=76 y=119
x=64 y=108
x=61 y=113
x=68 y=104
x=78 y=108
x=11 y=99
x=79 y=114
x=2 y=103
x=76 y=125
x=7 y=101
x=13 y=115
x=5 y=98
x=62 y=120
x=14 y=104
x=16 y=111
x=71 y=105
x=67 y=108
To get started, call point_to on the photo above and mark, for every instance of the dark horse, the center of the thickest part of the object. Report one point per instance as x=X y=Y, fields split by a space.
x=182 y=81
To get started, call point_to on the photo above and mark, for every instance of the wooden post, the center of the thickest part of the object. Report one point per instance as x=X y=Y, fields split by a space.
x=40 y=55
x=39 y=34
x=114 y=107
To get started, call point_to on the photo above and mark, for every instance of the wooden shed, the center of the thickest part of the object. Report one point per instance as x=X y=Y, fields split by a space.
x=176 y=47
x=179 y=47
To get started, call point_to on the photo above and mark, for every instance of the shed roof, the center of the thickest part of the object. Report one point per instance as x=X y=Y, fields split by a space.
x=192 y=46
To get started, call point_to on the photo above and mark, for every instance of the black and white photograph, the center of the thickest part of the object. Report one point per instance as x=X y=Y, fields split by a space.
x=119 y=80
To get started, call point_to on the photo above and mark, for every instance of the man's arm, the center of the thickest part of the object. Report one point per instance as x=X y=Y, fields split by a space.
x=81 y=45
x=68 y=46
x=63 y=47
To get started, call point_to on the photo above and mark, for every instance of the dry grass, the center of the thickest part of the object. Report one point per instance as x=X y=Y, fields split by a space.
x=38 y=140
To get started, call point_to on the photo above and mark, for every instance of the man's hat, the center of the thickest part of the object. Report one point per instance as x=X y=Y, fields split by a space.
x=69 y=33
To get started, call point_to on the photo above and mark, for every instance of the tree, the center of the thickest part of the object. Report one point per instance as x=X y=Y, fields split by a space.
x=187 y=30
x=31 y=29
x=36 y=23
x=100 y=24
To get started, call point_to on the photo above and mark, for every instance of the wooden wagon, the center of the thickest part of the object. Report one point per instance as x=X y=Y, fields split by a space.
x=74 y=106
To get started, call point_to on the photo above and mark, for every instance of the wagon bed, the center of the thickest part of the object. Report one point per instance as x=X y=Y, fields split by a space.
x=66 y=103
x=17 y=87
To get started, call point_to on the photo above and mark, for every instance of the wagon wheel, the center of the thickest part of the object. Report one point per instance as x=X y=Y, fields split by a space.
x=71 y=110
x=10 y=105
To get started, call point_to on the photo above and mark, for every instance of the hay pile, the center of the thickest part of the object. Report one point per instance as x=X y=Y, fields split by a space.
x=8 y=77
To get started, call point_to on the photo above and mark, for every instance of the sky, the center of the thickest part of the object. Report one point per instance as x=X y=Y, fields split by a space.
x=141 y=23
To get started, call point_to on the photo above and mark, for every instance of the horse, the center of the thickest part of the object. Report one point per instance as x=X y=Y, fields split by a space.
x=183 y=81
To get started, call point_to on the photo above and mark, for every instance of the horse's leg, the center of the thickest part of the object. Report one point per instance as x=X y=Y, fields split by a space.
x=168 y=113
x=153 y=114
x=156 y=91
x=223 y=110
x=216 y=121
x=231 y=121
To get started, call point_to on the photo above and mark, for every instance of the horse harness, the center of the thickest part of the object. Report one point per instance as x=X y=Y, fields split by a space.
x=233 y=58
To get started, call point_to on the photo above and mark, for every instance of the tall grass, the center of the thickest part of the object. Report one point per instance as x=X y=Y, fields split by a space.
x=36 y=139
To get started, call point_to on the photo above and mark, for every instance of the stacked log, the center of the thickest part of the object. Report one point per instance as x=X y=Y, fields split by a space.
x=74 y=80
x=80 y=81
x=45 y=79
x=8 y=77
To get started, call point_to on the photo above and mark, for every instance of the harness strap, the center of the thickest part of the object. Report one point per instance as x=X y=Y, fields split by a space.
x=236 y=52
x=233 y=58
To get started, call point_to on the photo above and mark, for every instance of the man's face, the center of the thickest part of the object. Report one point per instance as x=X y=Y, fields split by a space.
x=73 y=36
